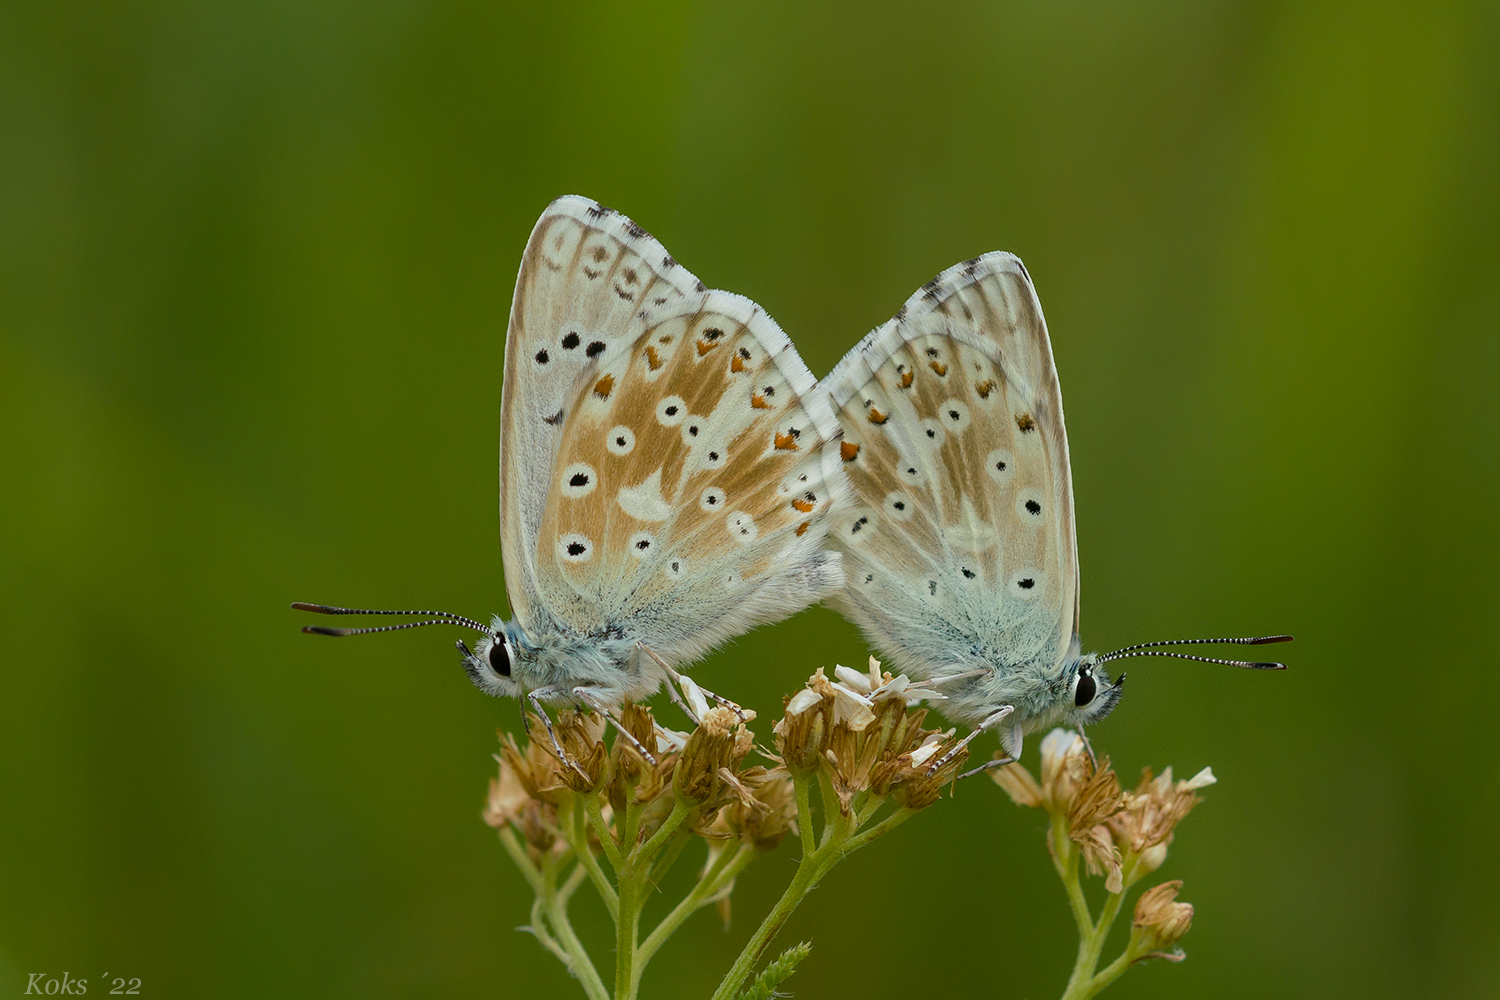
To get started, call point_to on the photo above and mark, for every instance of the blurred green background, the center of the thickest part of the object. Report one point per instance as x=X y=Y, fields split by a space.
x=255 y=264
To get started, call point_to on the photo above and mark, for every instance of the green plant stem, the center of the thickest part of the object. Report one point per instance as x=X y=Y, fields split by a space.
x=627 y=928
x=803 y=788
x=840 y=839
x=553 y=902
x=719 y=876
x=648 y=851
x=1085 y=982
x=590 y=863
x=601 y=830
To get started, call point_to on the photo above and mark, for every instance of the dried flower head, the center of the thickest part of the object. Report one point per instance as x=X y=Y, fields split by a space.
x=1161 y=921
x=763 y=811
x=1152 y=811
x=524 y=796
x=581 y=735
x=860 y=732
x=718 y=744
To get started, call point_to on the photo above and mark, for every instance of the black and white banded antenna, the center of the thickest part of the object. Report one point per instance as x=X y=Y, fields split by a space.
x=1145 y=649
x=437 y=618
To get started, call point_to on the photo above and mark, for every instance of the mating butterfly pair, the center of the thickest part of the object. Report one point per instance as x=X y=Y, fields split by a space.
x=672 y=475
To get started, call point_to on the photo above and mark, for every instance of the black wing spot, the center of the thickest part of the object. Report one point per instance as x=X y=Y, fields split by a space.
x=643 y=544
x=999 y=466
x=932 y=352
x=619 y=442
x=712 y=333
x=541 y=357
x=931 y=433
x=713 y=456
x=869 y=577
x=595 y=349
x=932 y=588
x=579 y=479
x=858 y=525
x=571 y=340
x=693 y=430
x=1026 y=583
x=555 y=419
x=952 y=414
x=671 y=411
x=1032 y=507
x=968 y=573
x=745 y=353
x=576 y=548
x=899 y=505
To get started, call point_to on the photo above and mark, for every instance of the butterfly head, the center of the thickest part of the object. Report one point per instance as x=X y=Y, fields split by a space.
x=1090 y=691
x=491 y=663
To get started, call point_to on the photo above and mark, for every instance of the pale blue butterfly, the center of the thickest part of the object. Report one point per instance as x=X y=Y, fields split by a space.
x=959 y=550
x=667 y=473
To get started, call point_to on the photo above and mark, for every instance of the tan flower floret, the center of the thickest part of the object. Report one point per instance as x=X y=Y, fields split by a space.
x=1160 y=922
x=858 y=732
x=1077 y=791
x=1152 y=811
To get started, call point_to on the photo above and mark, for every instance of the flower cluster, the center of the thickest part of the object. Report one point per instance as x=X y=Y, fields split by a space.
x=858 y=734
x=1120 y=834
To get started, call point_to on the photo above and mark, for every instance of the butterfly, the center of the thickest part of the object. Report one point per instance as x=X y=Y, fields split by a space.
x=960 y=555
x=667 y=472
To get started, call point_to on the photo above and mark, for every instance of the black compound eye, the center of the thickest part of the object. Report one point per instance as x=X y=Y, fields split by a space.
x=499 y=658
x=1084 y=692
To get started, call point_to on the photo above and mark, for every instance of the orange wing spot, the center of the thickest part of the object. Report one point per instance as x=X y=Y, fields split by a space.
x=704 y=346
x=652 y=358
x=876 y=417
x=785 y=442
x=938 y=367
x=1026 y=424
x=906 y=380
x=759 y=402
x=847 y=450
x=736 y=364
x=805 y=506
x=985 y=388
x=604 y=386
x=802 y=528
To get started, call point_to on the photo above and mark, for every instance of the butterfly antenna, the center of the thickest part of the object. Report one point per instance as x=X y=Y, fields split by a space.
x=439 y=618
x=1146 y=649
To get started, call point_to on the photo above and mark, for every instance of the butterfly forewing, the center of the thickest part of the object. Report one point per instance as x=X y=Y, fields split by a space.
x=961 y=538
x=588 y=281
x=692 y=469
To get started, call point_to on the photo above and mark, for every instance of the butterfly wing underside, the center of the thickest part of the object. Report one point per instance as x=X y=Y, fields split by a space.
x=668 y=474
x=959 y=547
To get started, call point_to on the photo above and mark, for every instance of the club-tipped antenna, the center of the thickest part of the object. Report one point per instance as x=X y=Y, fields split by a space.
x=439 y=618
x=1146 y=649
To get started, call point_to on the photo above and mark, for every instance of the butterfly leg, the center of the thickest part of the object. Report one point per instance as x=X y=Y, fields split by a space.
x=990 y=721
x=1093 y=761
x=988 y=766
x=535 y=697
x=679 y=680
x=587 y=698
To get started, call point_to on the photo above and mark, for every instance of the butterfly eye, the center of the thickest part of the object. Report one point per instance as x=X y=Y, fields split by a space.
x=1083 y=693
x=499 y=658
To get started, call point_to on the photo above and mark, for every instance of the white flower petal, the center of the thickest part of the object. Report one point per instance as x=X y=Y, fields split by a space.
x=802 y=701
x=851 y=708
x=923 y=753
x=856 y=680
x=694 y=696
x=1202 y=779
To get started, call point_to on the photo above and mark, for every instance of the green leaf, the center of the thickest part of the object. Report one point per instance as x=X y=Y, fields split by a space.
x=765 y=984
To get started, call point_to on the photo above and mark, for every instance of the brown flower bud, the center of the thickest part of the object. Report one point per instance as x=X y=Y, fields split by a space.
x=713 y=745
x=1161 y=921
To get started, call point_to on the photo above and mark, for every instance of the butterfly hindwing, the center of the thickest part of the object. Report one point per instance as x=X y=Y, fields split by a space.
x=692 y=472
x=960 y=541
